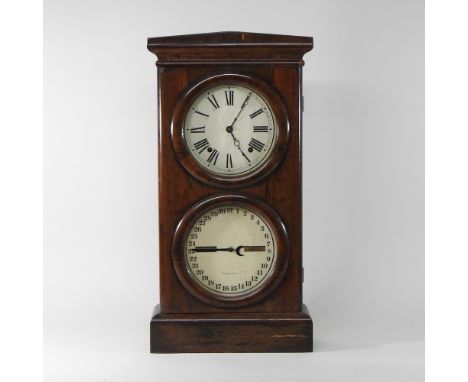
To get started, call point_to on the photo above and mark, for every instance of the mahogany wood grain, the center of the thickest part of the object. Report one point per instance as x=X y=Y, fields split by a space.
x=182 y=62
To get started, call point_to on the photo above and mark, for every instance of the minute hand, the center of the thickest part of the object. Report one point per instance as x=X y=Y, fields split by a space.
x=242 y=108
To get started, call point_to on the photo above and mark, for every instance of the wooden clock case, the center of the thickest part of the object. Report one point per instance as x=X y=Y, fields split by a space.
x=277 y=322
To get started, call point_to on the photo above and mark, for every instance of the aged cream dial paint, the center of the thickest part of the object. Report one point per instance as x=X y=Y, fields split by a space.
x=230 y=250
x=230 y=130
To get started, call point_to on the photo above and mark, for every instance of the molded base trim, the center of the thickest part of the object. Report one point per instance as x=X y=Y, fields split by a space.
x=231 y=332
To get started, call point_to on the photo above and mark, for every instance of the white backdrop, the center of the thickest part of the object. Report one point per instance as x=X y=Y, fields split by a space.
x=363 y=188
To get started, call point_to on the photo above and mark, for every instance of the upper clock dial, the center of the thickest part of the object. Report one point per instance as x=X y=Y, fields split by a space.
x=230 y=129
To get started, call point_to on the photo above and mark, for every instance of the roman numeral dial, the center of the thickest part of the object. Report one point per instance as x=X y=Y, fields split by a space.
x=230 y=129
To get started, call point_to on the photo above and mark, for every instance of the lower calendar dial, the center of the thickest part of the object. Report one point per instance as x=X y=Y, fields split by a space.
x=230 y=250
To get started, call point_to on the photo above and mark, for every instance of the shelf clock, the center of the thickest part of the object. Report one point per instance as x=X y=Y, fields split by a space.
x=230 y=194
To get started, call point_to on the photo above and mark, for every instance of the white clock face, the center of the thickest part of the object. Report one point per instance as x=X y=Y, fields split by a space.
x=230 y=250
x=230 y=130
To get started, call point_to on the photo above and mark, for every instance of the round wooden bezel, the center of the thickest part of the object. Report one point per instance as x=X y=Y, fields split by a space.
x=192 y=285
x=279 y=146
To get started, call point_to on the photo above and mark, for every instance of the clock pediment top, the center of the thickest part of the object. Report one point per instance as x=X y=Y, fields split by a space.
x=230 y=46
x=229 y=38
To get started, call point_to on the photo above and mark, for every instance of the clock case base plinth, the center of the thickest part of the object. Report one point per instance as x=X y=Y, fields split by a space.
x=231 y=332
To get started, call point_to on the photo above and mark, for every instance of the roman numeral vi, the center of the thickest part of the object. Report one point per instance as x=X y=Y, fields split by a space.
x=228 y=161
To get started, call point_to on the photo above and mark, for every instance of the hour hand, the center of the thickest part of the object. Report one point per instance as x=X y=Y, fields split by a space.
x=213 y=249
x=237 y=143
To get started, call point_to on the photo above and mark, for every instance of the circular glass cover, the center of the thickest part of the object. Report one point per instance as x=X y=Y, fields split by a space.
x=230 y=129
x=230 y=250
